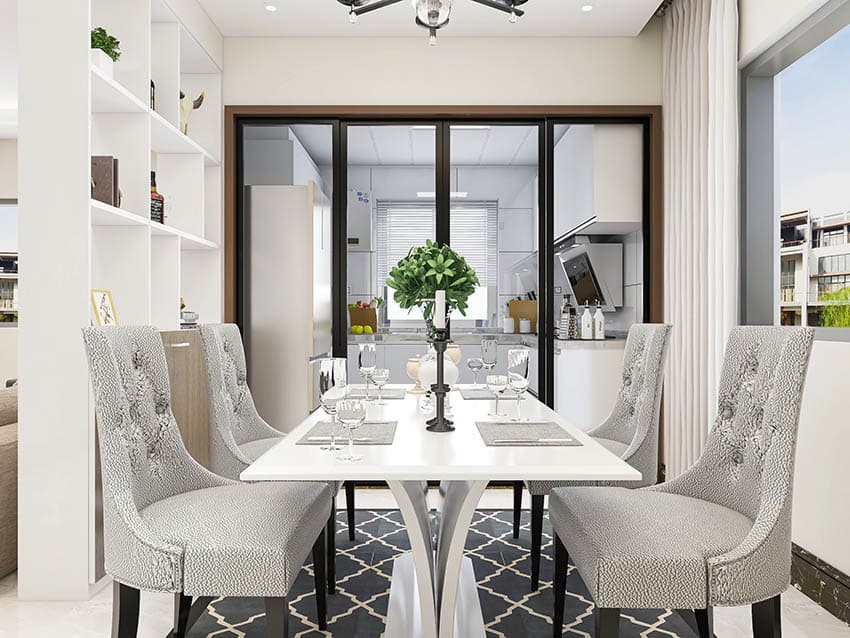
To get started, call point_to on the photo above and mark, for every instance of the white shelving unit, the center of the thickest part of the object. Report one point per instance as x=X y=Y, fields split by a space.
x=8 y=296
x=146 y=265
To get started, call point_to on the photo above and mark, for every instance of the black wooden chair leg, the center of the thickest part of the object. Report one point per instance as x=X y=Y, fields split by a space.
x=559 y=584
x=349 y=506
x=536 y=539
x=767 y=618
x=518 y=487
x=705 y=622
x=330 y=542
x=182 y=607
x=277 y=617
x=125 y=611
x=320 y=558
x=607 y=623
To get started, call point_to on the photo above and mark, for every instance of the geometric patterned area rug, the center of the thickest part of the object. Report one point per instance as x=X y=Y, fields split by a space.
x=501 y=563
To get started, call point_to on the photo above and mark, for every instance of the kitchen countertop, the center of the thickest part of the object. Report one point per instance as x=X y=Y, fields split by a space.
x=461 y=338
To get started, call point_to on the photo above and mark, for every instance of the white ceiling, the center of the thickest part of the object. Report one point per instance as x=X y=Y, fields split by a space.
x=330 y=18
x=415 y=146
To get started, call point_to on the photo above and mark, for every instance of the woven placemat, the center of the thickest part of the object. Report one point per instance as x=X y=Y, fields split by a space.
x=359 y=392
x=525 y=434
x=481 y=394
x=370 y=433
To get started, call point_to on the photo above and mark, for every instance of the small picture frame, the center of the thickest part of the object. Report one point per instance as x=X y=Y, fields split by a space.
x=104 y=308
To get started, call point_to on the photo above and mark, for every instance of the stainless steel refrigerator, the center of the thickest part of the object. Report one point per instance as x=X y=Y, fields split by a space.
x=287 y=297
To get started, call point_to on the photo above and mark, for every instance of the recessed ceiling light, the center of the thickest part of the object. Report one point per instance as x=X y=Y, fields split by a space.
x=271 y=8
x=587 y=7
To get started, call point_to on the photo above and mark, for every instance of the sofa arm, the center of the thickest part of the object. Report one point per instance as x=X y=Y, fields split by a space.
x=8 y=499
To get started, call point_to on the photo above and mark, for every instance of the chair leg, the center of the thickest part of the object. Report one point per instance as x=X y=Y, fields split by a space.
x=277 y=617
x=607 y=622
x=320 y=558
x=705 y=622
x=536 y=539
x=349 y=506
x=518 y=486
x=559 y=584
x=125 y=611
x=767 y=618
x=330 y=542
x=182 y=607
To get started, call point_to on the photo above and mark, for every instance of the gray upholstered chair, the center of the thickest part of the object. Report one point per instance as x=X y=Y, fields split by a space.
x=172 y=526
x=238 y=434
x=630 y=431
x=719 y=534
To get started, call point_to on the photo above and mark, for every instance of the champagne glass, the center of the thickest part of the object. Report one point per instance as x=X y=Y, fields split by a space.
x=352 y=414
x=497 y=383
x=367 y=360
x=518 y=375
x=489 y=353
x=475 y=366
x=332 y=386
x=379 y=377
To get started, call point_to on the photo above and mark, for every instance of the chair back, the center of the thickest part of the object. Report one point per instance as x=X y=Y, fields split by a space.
x=634 y=420
x=748 y=461
x=141 y=448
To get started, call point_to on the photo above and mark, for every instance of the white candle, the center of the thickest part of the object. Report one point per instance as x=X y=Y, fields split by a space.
x=440 y=310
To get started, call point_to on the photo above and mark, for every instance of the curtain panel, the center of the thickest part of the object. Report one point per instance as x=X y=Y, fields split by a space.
x=701 y=215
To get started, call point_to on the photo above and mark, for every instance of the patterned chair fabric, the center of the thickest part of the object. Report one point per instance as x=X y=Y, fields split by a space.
x=631 y=430
x=151 y=484
x=720 y=534
x=238 y=435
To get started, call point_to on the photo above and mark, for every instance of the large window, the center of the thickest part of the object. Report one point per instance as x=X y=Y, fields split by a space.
x=796 y=124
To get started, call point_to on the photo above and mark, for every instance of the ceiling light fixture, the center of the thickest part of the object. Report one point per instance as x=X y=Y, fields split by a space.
x=432 y=14
x=271 y=8
x=587 y=8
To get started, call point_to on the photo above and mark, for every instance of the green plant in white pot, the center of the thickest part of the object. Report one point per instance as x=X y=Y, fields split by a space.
x=105 y=50
x=427 y=269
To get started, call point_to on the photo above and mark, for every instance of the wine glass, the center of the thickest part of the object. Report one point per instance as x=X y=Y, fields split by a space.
x=475 y=366
x=351 y=413
x=489 y=353
x=367 y=360
x=379 y=377
x=497 y=383
x=332 y=385
x=518 y=375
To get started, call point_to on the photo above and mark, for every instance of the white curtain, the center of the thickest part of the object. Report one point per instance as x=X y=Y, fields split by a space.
x=700 y=213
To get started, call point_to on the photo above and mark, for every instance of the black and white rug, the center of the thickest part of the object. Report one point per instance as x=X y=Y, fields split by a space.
x=502 y=565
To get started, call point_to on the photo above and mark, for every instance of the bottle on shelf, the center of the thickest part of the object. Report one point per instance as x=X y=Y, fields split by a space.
x=598 y=322
x=157 y=202
x=586 y=323
x=153 y=96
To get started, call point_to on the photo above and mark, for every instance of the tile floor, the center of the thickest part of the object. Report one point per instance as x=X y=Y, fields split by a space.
x=91 y=619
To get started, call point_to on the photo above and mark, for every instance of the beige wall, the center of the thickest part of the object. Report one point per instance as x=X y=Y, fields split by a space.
x=8 y=169
x=456 y=71
x=763 y=22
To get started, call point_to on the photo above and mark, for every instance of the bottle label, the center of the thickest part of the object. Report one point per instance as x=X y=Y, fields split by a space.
x=158 y=211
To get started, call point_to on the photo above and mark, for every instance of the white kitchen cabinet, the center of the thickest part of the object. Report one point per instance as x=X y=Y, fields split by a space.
x=361 y=275
x=587 y=380
x=599 y=179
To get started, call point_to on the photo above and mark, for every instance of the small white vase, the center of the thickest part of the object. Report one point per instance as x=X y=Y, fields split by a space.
x=428 y=371
x=103 y=62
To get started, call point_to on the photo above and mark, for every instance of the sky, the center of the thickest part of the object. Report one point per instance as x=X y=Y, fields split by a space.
x=813 y=126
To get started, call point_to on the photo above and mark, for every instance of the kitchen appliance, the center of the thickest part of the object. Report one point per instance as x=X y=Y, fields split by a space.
x=286 y=298
x=594 y=272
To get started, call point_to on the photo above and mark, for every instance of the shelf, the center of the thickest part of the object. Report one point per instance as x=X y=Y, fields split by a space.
x=109 y=96
x=9 y=275
x=106 y=215
x=188 y=241
x=166 y=138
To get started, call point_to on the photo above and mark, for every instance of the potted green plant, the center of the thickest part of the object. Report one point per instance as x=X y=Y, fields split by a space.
x=105 y=50
x=427 y=269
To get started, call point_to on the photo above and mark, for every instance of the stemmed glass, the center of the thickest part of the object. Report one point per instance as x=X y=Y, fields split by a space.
x=332 y=386
x=367 y=361
x=379 y=377
x=518 y=375
x=489 y=353
x=497 y=383
x=352 y=414
x=475 y=366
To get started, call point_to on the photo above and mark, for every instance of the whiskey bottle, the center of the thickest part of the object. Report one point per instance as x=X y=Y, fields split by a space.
x=157 y=202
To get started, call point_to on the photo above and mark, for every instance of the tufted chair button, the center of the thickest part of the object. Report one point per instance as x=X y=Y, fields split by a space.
x=240 y=379
x=627 y=381
x=728 y=413
x=737 y=457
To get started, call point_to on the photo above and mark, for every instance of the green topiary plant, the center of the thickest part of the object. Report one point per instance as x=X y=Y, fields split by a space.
x=427 y=269
x=100 y=39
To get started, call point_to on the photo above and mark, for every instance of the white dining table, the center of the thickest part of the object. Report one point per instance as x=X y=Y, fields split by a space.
x=433 y=592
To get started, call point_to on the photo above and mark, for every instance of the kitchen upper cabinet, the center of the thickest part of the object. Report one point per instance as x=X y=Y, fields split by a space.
x=361 y=275
x=599 y=179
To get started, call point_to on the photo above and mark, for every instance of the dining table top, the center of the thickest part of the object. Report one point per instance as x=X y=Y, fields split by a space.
x=417 y=454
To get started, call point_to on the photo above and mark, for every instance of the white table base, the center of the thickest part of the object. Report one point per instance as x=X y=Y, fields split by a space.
x=433 y=592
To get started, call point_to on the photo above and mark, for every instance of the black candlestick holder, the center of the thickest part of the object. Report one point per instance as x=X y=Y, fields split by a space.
x=440 y=423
